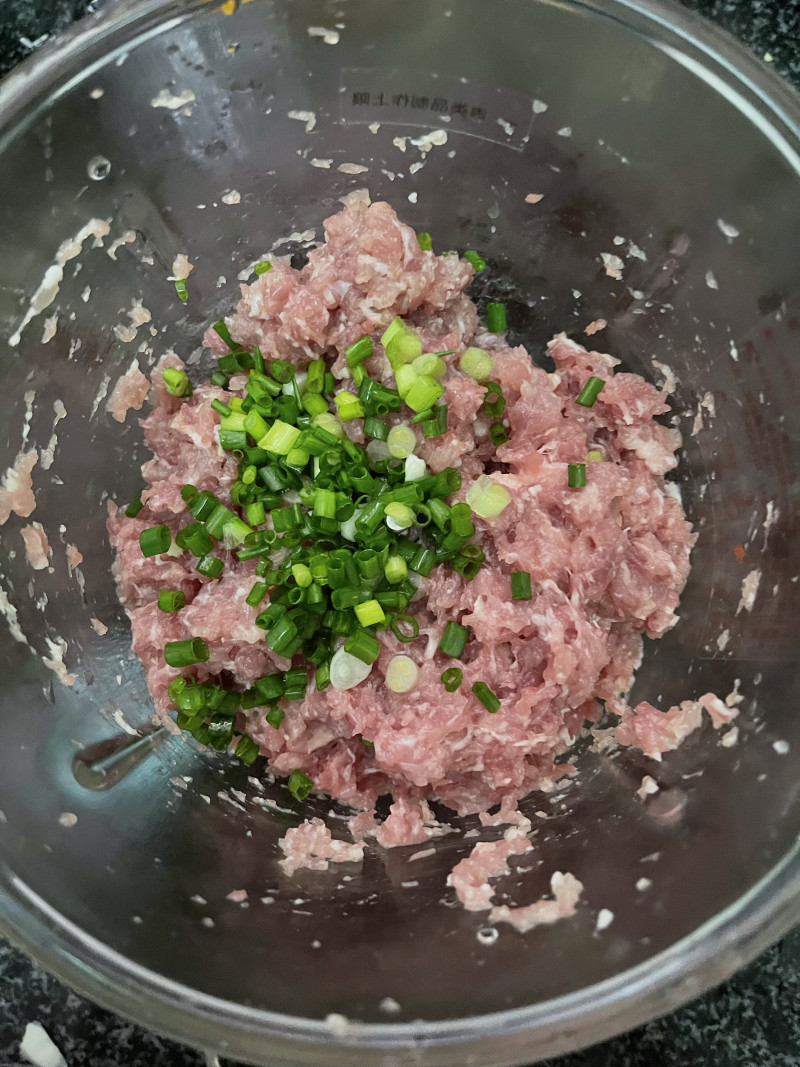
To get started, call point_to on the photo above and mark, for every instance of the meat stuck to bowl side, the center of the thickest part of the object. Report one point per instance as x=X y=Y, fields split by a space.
x=387 y=552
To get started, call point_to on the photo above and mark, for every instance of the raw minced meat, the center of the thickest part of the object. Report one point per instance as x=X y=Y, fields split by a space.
x=311 y=845
x=607 y=562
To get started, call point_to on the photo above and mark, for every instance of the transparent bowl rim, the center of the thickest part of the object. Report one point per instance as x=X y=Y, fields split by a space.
x=689 y=967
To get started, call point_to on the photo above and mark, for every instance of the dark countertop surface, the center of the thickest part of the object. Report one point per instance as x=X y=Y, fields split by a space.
x=753 y=1020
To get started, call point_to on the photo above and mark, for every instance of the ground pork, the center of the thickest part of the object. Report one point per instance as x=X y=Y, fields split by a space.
x=607 y=563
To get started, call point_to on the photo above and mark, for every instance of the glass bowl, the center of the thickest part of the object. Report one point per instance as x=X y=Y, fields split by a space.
x=551 y=134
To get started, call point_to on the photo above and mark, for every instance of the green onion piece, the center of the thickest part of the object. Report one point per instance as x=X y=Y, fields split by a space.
x=401 y=441
x=375 y=427
x=399 y=516
x=454 y=640
x=181 y=290
x=281 y=635
x=155 y=539
x=349 y=406
x=405 y=628
x=430 y=363
x=255 y=424
x=300 y=785
x=489 y=700
x=486 y=498
x=222 y=381
x=256 y=594
x=256 y=513
x=322 y=677
x=184 y=653
x=594 y=456
x=476 y=363
x=325 y=503
x=220 y=408
x=231 y=440
x=358 y=352
x=370 y=613
x=590 y=392
x=395 y=570
x=270 y=686
x=368 y=563
x=280 y=439
x=188 y=493
x=423 y=393
x=210 y=566
x=363 y=645
x=302 y=575
x=437 y=425
x=246 y=750
x=494 y=403
x=425 y=241
x=194 y=538
x=262 y=266
x=203 y=505
x=496 y=318
x=452 y=678
x=315 y=404
x=171 y=600
x=275 y=716
x=521 y=585
x=135 y=506
x=477 y=261
x=177 y=382
x=281 y=371
x=423 y=561
x=576 y=475
x=498 y=434
x=222 y=330
x=402 y=674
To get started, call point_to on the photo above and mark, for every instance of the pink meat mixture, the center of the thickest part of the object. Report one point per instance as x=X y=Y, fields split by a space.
x=607 y=562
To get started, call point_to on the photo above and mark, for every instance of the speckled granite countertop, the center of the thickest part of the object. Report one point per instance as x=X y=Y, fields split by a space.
x=751 y=1021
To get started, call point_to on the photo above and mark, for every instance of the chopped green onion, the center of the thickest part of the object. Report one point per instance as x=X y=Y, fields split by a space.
x=395 y=570
x=486 y=498
x=256 y=594
x=375 y=427
x=154 y=540
x=423 y=393
x=430 y=363
x=203 y=505
x=349 y=406
x=184 y=653
x=370 y=613
x=246 y=750
x=477 y=261
x=262 y=267
x=181 y=290
x=521 y=585
x=399 y=516
x=359 y=351
x=194 y=538
x=395 y=327
x=401 y=441
x=590 y=392
x=402 y=674
x=210 y=567
x=281 y=371
x=171 y=600
x=595 y=456
x=135 y=506
x=275 y=716
x=300 y=785
x=281 y=635
x=280 y=438
x=188 y=493
x=222 y=330
x=256 y=513
x=425 y=241
x=363 y=645
x=452 y=678
x=476 y=363
x=454 y=640
x=270 y=686
x=489 y=700
x=405 y=628
x=222 y=381
x=315 y=404
x=437 y=424
x=302 y=575
x=177 y=382
x=328 y=422
x=498 y=434
x=494 y=403
x=496 y=318
x=576 y=475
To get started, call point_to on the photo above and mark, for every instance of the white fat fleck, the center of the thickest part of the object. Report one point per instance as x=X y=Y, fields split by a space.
x=197 y=899
x=9 y=613
x=734 y=352
x=412 y=197
x=323 y=164
x=400 y=142
x=507 y=127
x=723 y=639
x=711 y=281
x=328 y=36
x=68 y=819
x=29 y=397
x=374 y=127
x=54 y=275
x=604 y=919
x=389 y=1005
x=55 y=661
x=644 y=883
x=208 y=922
x=237 y=896
x=173 y=101
x=771 y=517
x=539 y=107
x=124 y=333
x=127 y=238
x=100 y=395
x=415 y=167
x=781 y=748
x=39 y=1048
x=426 y=141
x=750 y=584
x=352 y=168
x=87 y=292
x=707 y=404
x=730 y=738
x=304 y=238
x=232 y=197
x=565 y=131
x=97 y=93
x=613 y=265
x=308 y=117
x=727 y=230
x=647 y=788
x=670 y=381
x=534 y=198
x=50 y=327
x=119 y=718
x=636 y=252
x=339 y=1025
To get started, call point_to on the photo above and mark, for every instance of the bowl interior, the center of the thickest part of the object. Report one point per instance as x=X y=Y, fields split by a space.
x=454 y=114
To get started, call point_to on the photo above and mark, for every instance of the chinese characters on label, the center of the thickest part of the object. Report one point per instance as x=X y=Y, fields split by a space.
x=438 y=104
